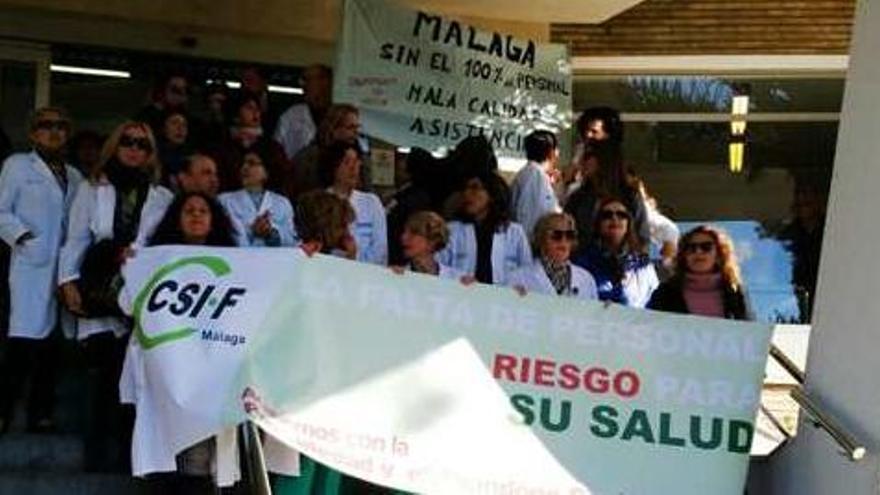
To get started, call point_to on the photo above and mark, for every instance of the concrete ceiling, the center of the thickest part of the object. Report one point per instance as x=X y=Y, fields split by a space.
x=276 y=31
x=544 y=11
x=319 y=19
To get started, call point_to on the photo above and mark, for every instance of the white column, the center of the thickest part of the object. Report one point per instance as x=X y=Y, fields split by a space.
x=843 y=369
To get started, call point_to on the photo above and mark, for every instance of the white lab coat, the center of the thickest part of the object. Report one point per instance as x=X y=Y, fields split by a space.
x=31 y=200
x=662 y=229
x=510 y=250
x=91 y=220
x=534 y=278
x=242 y=213
x=532 y=196
x=369 y=229
x=295 y=129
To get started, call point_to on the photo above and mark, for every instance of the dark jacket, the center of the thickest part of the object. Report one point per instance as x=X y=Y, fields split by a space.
x=582 y=206
x=669 y=297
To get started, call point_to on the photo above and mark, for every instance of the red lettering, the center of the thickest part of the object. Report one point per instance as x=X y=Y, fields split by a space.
x=626 y=383
x=596 y=380
x=504 y=367
x=544 y=371
x=570 y=376
x=524 y=370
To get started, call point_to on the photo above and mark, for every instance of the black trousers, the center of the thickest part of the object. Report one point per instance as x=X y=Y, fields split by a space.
x=109 y=424
x=34 y=361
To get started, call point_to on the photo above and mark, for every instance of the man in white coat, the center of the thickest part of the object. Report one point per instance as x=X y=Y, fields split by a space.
x=532 y=194
x=36 y=190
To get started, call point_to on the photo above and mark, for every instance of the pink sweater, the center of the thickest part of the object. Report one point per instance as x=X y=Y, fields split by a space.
x=703 y=294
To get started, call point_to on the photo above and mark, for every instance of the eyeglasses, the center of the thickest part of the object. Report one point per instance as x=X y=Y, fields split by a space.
x=142 y=144
x=559 y=235
x=53 y=125
x=693 y=247
x=609 y=214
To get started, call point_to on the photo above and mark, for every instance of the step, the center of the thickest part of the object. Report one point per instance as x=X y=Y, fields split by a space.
x=40 y=452
x=39 y=483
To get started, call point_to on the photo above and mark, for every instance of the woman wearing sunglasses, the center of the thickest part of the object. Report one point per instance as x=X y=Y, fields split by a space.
x=623 y=272
x=707 y=280
x=104 y=219
x=552 y=273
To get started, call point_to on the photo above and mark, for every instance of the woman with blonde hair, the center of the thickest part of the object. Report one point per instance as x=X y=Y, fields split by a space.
x=105 y=216
x=707 y=280
x=553 y=241
x=424 y=234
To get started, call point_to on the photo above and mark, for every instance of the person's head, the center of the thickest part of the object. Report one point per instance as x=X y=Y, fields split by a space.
x=341 y=123
x=613 y=225
x=171 y=90
x=323 y=218
x=130 y=145
x=424 y=233
x=49 y=130
x=555 y=237
x=246 y=110
x=199 y=175
x=706 y=249
x=486 y=198
x=194 y=218
x=317 y=82
x=600 y=124
x=175 y=127
x=253 y=171
x=85 y=149
x=339 y=165
x=602 y=164
x=541 y=146
x=253 y=80
x=216 y=96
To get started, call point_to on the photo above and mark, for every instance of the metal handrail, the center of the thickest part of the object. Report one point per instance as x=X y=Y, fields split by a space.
x=775 y=421
x=787 y=364
x=853 y=449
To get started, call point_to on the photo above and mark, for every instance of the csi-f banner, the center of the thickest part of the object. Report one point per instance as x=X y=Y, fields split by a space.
x=424 y=80
x=428 y=385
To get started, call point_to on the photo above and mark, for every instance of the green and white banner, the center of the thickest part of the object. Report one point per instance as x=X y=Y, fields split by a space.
x=426 y=385
x=424 y=80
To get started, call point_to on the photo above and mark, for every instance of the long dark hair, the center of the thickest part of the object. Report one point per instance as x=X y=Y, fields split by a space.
x=498 y=216
x=169 y=232
x=612 y=177
x=330 y=158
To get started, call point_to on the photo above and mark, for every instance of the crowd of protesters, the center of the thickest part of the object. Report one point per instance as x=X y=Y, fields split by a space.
x=74 y=208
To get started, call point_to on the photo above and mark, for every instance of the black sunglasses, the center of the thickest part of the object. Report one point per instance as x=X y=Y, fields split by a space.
x=693 y=247
x=53 y=125
x=558 y=235
x=134 y=142
x=609 y=214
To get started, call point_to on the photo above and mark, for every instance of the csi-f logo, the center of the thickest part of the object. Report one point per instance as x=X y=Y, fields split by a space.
x=184 y=299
